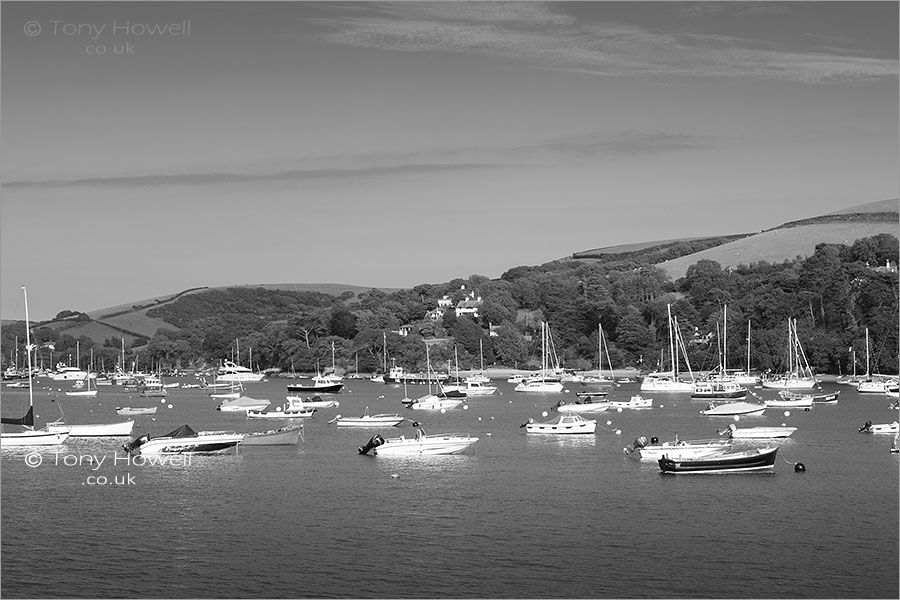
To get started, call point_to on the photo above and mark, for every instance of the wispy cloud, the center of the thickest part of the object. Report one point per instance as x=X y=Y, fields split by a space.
x=588 y=146
x=541 y=35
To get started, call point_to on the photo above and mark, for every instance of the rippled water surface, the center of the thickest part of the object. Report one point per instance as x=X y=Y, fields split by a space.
x=519 y=516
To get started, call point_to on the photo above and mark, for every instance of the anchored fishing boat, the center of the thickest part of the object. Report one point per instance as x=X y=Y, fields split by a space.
x=756 y=459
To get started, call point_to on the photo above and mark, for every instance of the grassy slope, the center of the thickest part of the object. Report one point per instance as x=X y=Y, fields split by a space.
x=778 y=245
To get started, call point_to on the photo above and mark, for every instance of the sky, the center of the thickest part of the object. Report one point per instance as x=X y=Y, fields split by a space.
x=149 y=148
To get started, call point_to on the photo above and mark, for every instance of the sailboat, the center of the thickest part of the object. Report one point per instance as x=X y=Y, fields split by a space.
x=542 y=384
x=721 y=384
x=432 y=401
x=31 y=436
x=379 y=378
x=746 y=377
x=798 y=375
x=668 y=381
x=479 y=377
x=869 y=385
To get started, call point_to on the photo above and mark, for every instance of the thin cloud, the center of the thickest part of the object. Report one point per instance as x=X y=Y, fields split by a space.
x=589 y=146
x=540 y=35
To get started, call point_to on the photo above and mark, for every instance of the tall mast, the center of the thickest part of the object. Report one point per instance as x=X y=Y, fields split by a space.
x=28 y=351
x=672 y=344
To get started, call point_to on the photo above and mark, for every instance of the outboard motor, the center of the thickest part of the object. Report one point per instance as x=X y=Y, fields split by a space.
x=639 y=442
x=376 y=441
x=866 y=427
x=136 y=443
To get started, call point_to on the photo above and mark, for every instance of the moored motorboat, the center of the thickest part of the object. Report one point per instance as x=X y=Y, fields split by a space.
x=823 y=398
x=317 y=385
x=367 y=420
x=756 y=459
x=678 y=450
x=92 y=430
x=242 y=404
x=444 y=443
x=285 y=436
x=790 y=400
x=566 y=424
x=718 y=388
x=185 y=440
x=282 y=412
x=434 y=402
x=757 y=433
x=728 y=409
x=133 y=411
x=588 y=405
x=231 y=372
x=314 y=402
x=870 y=427
x=635 y=402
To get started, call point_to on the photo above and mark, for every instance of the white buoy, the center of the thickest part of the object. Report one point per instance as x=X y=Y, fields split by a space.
x=170 y=406
x=395 y=476
x=544 y=414
x=488 y=434
x=737 y=417
x=443 y=410
x=465 y=407
x=609 y=422
x=619 y=409
x=479 y=418
x=162 y=401
x=618 y=432
x=787 y=413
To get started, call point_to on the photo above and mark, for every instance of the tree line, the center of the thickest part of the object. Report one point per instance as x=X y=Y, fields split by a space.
x=835 y=295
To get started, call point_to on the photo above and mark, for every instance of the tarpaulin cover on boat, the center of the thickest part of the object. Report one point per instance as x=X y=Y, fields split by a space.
x=27 y=420
x=183 y=431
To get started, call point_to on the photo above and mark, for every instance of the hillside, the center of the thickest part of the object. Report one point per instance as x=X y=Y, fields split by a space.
x=785 y=242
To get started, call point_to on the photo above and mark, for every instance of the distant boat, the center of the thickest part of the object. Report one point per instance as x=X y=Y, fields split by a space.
x=132 y=411
x=798 y=374
x=231 y=372
x=635 y=402
x=83 y=389
x=669 y=381
x=678 y=450
x=242 y=404
x=589 y=404
x=869 y=427
x=870 y=385
x=543 y=384
x=64 y=373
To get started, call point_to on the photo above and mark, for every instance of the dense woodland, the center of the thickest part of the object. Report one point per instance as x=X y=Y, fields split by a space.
x=835 y=294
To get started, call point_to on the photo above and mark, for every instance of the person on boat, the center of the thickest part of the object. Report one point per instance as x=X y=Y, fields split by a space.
x=420 y=434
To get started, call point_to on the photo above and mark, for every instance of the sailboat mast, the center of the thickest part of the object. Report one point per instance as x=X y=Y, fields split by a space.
x=672 y=343
x=748 y=347
x=725 y=340
x=868 y=375
x=28 y=349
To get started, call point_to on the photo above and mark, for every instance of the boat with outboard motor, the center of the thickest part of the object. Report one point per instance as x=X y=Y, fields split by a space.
x=132 y=411
x=444 y=443
x=184 y=440
x=870 y=427
x=243 y=404
x=755 y=459
x=678 y=450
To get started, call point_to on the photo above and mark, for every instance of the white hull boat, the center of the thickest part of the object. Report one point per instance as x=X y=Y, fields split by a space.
x=636 y=402
x=802 y=402
x=758 y=433
x=539 y=386
x=243 y=404
x=286 y=436
x=367 y=420
x=432 y=402
x=185 y=440
x=314 y=402
x=729 y=409
x=134 y=411
x=652 y=383
x=586 y=406
x=566 y=424
x=421 y=444
x=231 y=372
x=869 y=427
x=93 y=430
x=677 y=450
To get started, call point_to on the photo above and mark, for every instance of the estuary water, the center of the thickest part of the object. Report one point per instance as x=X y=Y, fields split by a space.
x=518 y=516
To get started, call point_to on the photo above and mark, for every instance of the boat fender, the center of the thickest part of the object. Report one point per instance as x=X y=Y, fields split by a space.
x=799 y=467
x=654 y=440
x=640 y=442
x=374 y=442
